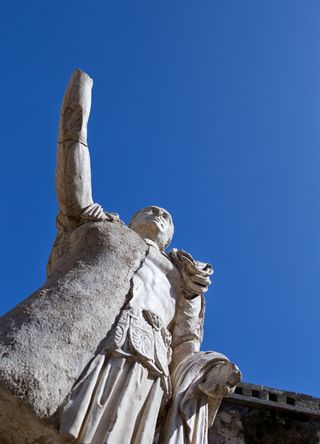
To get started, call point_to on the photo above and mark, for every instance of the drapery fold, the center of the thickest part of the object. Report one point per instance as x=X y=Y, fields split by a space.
x=192 y=411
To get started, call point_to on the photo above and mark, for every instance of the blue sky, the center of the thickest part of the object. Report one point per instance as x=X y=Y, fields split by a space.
x=210 y=109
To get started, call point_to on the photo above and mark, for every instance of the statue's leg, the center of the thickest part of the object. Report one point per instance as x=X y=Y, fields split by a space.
x=149 y=415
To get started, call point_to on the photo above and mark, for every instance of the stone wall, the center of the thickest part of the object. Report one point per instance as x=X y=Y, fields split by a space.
x=262 y=415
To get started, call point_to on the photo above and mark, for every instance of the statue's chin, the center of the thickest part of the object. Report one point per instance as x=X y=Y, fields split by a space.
x=153 y=231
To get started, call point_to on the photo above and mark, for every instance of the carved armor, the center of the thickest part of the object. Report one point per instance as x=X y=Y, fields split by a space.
x=141 y=334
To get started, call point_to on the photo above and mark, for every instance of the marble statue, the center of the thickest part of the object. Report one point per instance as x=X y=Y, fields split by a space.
x=108 y=350
x=151 y=359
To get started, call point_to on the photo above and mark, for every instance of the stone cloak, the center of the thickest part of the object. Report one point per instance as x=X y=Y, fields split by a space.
x=47 y=340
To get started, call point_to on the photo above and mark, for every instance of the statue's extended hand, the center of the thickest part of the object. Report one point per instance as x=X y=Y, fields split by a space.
x=95 y=212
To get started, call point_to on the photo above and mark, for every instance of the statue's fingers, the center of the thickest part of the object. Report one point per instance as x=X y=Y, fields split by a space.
x=201 y=280
x=194 y=287
x=177 y=261
x=110 y=217
x=192 y=268
x=97 y=211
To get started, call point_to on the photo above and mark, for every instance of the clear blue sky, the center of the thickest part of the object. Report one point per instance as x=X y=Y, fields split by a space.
x=208 y=108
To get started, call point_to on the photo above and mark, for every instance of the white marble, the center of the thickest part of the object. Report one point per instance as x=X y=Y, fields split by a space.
x=155 y=341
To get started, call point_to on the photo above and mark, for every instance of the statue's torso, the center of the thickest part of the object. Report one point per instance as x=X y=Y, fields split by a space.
x=157 y=285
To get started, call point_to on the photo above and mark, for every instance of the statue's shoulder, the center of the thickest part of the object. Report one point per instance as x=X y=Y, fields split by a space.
x=89 y=242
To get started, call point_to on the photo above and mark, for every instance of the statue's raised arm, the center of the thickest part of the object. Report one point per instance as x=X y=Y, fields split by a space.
x=73 y=176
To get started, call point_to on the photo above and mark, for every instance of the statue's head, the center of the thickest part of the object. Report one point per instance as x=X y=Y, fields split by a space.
x=153 y=223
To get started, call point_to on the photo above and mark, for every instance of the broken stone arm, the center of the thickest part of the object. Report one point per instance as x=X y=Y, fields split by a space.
x=73 y=175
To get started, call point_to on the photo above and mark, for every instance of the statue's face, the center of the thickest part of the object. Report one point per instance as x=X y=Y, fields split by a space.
x=154 y=223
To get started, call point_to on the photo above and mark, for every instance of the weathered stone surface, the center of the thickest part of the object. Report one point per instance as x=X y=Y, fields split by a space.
x=19 y=425
x=47 y=340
